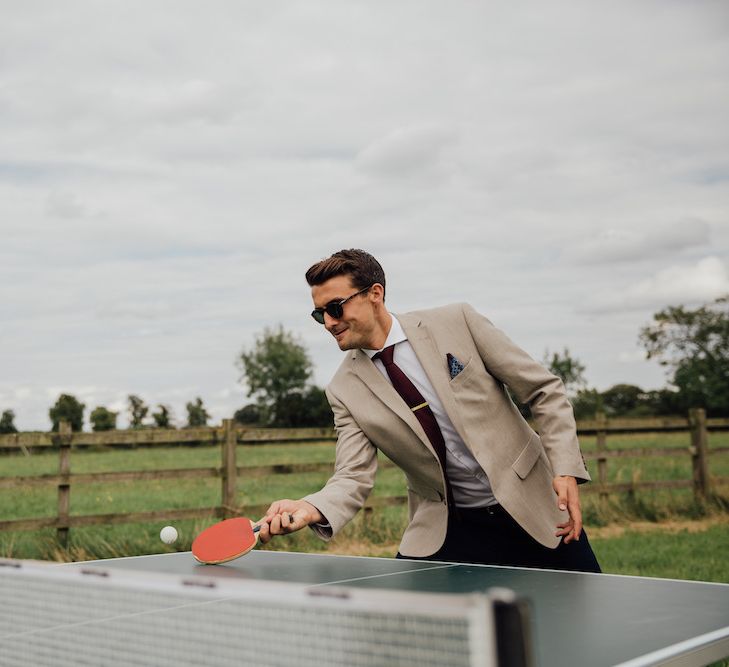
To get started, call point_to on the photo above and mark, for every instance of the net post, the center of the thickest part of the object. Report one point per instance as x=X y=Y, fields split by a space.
x=65 y=439
x=512 y=624
x=229 y=468
x=699 y=453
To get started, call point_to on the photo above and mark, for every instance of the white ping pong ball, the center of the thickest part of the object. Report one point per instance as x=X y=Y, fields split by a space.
x=168 y=534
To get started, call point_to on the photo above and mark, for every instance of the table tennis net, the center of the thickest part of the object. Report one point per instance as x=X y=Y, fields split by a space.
x=55 y=615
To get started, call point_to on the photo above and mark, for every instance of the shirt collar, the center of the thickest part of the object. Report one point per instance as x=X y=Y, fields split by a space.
x=396 y=335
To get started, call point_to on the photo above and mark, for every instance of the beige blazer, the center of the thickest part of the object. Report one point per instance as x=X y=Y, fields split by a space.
x=370 y=415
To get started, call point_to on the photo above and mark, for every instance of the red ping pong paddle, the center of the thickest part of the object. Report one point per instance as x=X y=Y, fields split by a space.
x=225 y=541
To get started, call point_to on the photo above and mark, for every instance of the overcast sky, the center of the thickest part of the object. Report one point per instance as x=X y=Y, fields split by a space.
x=169 y=170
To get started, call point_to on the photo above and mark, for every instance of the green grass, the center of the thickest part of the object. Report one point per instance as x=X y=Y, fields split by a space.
x=673 y=555
x=669 y=553
x=93 y=498
x=158 y=458
x=376 y=535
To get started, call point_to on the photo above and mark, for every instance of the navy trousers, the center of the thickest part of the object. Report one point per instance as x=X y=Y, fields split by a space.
x=490 y=536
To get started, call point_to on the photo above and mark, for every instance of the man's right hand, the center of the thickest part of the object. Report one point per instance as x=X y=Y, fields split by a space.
x=287 y=516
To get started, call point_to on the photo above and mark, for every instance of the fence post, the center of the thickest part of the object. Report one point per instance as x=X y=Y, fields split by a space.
x=601 y=458
x=367 y=511
x=229 y=468
x=699 y=452
x=65 y=438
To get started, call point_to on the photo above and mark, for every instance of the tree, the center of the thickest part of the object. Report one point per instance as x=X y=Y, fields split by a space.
x=102 y=419
x=197 y=415
x=304 y=409
x=664 y=402
x=586 y=403
x=137 y=411
x=7 y=422
x=317 y=408
x=163 y=417
x=694 y=345
x=277 y=367
x=622 y=399
x=248 y=415
x=567 y=368
x=67 y=408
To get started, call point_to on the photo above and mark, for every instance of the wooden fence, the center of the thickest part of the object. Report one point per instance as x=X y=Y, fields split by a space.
x=697 y=448
x=229 y=435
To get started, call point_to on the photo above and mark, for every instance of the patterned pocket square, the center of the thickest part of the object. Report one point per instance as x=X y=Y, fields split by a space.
x=454 y=366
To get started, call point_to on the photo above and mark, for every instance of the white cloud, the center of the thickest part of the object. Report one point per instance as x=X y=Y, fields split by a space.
x=408 y=150
x=631 y=357
x=679 y=284
x=165 y=183
x=64 y=205
x=635 y=243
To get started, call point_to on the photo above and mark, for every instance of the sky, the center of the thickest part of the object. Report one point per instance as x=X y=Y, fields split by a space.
x=169 y=170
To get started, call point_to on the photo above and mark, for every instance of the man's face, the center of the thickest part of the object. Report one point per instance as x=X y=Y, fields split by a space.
x=355 y=328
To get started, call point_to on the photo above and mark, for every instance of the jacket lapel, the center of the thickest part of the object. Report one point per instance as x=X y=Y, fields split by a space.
x=435 y=366
x=363 y=367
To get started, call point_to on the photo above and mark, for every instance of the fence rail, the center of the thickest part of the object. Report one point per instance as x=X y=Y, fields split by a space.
x=229 y=435
x=164 y=437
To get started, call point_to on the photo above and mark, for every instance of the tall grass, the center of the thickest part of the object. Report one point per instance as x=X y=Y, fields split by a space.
x=683 y=554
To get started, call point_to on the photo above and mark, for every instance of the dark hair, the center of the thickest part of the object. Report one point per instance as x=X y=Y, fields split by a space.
x=363 y=269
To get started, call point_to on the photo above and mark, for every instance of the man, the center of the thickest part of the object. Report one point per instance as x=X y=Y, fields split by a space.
x=428 y=388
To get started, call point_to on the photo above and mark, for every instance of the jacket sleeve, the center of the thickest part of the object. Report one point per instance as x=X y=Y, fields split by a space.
x=535 y=386
x=355 y=467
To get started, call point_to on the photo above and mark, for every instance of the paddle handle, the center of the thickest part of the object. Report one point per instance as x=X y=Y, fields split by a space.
x=258 y=528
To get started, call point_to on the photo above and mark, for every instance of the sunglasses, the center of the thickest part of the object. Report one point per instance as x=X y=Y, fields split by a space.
x=334 y=309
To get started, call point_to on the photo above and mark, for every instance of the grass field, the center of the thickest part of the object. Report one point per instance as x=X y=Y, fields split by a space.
x=694 y=550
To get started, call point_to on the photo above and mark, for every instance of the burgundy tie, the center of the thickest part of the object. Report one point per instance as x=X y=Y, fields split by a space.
x=418 y=405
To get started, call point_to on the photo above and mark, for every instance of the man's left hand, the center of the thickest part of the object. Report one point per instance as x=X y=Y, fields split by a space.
x=568 y=498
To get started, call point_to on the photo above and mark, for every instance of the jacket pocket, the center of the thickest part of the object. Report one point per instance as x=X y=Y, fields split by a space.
x=465 y=373
x=528 y=456
x=423 y=491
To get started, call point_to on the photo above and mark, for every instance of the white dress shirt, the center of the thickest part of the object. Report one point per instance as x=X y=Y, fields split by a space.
x=469 y=483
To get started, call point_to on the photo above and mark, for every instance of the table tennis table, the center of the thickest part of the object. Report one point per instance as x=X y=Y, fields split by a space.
x=577 y=618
